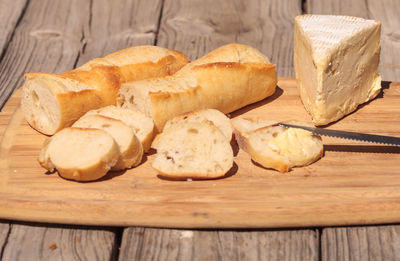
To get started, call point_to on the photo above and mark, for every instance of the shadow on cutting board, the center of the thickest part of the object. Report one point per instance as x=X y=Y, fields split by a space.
x=278 y=92
x=363 y=148
x=232 y=171
x=384 y=86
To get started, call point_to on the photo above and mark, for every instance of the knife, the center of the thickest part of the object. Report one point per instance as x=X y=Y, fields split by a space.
x=387 y=140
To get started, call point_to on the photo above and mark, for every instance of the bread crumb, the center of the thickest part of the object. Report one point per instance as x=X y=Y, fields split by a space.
x=53 y=246
x=189 y=179
x=15 y=171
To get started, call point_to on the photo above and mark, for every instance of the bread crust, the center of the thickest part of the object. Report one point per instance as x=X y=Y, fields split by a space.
x=226 y=79
x=191 y=175
x=99 y=81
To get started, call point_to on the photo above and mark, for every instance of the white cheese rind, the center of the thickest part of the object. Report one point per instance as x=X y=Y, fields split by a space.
x=336 y=62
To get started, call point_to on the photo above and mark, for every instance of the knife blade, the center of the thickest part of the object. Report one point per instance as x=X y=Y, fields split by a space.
x=387 y=140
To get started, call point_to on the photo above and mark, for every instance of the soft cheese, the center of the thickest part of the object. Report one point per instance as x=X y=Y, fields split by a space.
x=336 y=62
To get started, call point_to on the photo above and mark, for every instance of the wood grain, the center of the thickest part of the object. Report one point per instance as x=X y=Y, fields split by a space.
x=354 y=8
x=384 y=11
x=4 y=232
x=388 y=13
x=172 y=244
x=115 y=25
x=48 y=242
x=196 y=27
x=86 y=55
x=10 y=13
x=339 y=189
x=346 y=243
x=45 y=40
x=58 y=41
x=361 y=243
x=51 y=40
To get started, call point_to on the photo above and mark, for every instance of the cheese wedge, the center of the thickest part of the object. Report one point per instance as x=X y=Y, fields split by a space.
x=336 y=62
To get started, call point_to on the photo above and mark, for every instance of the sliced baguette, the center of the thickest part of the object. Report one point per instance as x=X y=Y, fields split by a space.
x=284 y=148
x=195 y=150
x=242 y=126
x=142 y=125
x=226 y=79
x=276 y=147
x=80 y=154
x=215 y=116
x=129 y=146
x=51 y=102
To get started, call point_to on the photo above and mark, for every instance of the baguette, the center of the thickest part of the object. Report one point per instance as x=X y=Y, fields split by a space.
x=276 y=147
x=226 y=79
x=195 y=150
x=131 y=151
x=216 y=117
x=51 y=102
x=80 y=154
x=142 y=125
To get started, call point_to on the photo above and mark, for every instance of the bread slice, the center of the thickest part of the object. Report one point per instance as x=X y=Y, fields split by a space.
x=196 y=150
x=277 y=147
x=142 y=125
x=80 y=154
x=242 y=126
x=283 y=148
x=215 y=116
x=129 y=146
x=226 y=79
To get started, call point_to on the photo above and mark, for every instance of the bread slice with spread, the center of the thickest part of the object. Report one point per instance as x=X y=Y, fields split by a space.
x=276 y=147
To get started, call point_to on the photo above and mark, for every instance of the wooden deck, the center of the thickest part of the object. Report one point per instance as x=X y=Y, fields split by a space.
x=58 y=35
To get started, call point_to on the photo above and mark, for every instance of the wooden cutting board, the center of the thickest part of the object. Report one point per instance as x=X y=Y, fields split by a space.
x=354 y=183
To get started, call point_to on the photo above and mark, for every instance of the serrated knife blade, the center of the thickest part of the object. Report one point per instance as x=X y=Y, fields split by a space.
x=387 y=140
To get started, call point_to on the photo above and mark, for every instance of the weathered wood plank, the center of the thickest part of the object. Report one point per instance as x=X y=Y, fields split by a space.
x=388 y=13
x=373 y=243
x=52 y=40
x=10 y=13
x=384 y=11
x=47 y=242
x=4 y=231
x=353 y=8
x=196 y=27
x=56 y=41
x=48 y=39
x=115 y=25
x=107 y=27
x=157 y=244
x=361 y=243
